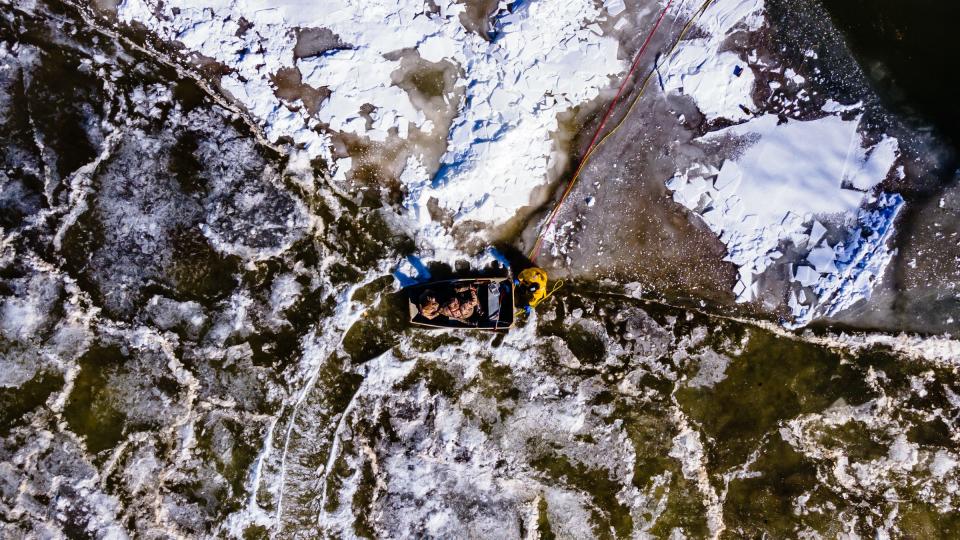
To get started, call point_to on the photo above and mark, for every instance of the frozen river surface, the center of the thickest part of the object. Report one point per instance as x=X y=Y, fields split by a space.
x=201 y=336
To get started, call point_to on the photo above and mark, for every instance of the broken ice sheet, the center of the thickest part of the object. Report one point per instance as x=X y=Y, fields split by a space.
x=767 y=195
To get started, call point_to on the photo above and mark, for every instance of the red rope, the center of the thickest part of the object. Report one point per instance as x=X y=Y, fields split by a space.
x=623 y=85
x=603 y=123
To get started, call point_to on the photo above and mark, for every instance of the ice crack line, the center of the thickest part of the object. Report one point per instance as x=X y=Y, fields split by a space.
x=344 y=317
x=688 y=449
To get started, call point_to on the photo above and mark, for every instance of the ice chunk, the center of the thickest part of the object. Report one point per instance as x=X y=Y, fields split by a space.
x=343 y=166
x=942 y=464
x=794 y=76
x=614 y=7
x=806 y=276
x=822 y=258
x=729 y=178
x=876 y=166
x=816 y=233
x=796 y=309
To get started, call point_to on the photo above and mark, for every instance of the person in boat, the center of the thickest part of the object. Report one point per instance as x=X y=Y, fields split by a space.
x=429 y=305
x=463 y=303
x=459 y=303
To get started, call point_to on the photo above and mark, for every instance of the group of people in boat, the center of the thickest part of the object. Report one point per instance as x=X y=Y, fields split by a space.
x=457 y=302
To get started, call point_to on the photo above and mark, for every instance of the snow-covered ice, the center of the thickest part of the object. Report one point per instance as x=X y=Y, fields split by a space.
x=718 y=81
x=766 y=195
x=544 y=58
x=782 y=175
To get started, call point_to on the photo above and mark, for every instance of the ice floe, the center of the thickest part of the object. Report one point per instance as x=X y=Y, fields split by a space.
x=782 y=176
x=718 y=81
x=767 y=195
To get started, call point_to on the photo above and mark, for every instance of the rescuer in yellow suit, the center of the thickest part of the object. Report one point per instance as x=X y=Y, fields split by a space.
x=533 y=286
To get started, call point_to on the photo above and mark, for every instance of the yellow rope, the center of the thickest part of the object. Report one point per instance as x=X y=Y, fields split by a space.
x=556 y=285
x=550 y=217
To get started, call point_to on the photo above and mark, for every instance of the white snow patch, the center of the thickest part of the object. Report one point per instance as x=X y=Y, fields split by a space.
x=545 y=58
x=20 y=318
x=542 y=62
x=785 y=176
x=719 y=82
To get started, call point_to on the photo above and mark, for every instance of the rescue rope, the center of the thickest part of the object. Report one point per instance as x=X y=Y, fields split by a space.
x=594 y=143
x=556 y=285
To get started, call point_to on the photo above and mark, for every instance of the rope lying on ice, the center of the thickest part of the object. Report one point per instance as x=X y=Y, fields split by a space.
x=594 y=143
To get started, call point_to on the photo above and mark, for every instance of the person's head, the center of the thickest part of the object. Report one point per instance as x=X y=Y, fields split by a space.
x=452 y=307
x=429 y=306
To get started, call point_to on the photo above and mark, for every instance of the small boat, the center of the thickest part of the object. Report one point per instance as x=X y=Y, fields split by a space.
x=495 y=311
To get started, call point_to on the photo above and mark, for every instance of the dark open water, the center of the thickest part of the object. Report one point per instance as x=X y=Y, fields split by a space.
x=909 y=50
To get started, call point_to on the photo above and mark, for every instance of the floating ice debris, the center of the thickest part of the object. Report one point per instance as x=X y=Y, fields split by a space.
x=822 y=258
x=794 y=76
x=864 y=257
x=832 y=106
x=767 y=195
x=857 y=263
x=697 y=70
x=716 y=80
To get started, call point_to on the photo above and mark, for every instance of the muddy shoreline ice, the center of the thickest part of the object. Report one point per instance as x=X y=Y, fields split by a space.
x=200 y=335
